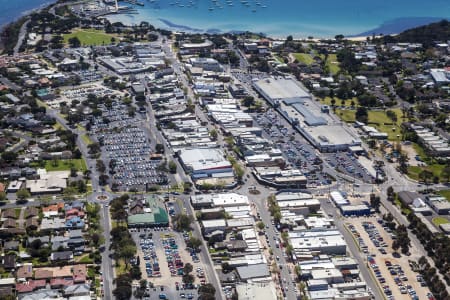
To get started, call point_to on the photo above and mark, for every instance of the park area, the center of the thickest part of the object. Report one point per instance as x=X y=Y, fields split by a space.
x=432 y=168
x=376 y=118
x=308 y=59
x=89 y=37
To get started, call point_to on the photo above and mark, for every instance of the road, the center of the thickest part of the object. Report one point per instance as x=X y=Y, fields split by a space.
x=107 y=268
x=21 y=37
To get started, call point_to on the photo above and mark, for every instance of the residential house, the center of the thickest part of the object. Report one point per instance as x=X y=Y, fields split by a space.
x=9 y=262
x=11 y=246
x=77 y=290
x=9 y=223
x=24 y=272
x=61 y=255
x=31 y=211
x=30 y=286
x=53 y=210
x=9 y=213
x=32 y=223
x=74 y=222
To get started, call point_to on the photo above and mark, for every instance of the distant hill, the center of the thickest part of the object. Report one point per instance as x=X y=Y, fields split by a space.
x=427 y=35
x=399 y=25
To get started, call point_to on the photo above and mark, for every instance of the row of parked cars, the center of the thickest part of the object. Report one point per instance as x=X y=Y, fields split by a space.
x=173 y=257
x=375 y=236
x=152 y=267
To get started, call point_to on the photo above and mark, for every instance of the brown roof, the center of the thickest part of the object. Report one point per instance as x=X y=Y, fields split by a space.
x=9 y=213
x=31 y=212
x=79 y=273
x=32 y=222
x=53 y=207
x=25 y=271
x=9 y=223
x=56 y=272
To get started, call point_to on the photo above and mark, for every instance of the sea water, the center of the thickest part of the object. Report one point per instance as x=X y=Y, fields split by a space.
x=10 y=10
x=301 y=18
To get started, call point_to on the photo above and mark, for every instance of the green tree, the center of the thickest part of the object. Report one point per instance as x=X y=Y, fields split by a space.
x=74 y=42
x=23 y=194
x=182 y=222
x=445 y=173
x=172 y=167
x=361 y=114
x=213 y=133
x=260 y=225
x=194 y=243
x=2 y=196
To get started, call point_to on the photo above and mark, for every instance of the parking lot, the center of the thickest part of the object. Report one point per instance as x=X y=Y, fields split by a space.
x=297 y=151
x=347 y=163
x=393 y=273
x=162 y=256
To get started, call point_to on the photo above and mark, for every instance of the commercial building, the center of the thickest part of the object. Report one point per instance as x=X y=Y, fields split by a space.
x=204 y=162
x=153 y=215
x=355 y=210
x=328 y=244
x=297 y=107
x=439 y=204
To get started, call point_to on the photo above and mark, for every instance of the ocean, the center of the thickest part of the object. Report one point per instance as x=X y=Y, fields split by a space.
x=300 y=18
x=14 y=9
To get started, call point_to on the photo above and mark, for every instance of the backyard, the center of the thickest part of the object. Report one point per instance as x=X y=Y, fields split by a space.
x=63 y=164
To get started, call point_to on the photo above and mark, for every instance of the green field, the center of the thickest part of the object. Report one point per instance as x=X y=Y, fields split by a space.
x=338 y=101
x=332 y=63
x=445 y=193
x=414 y=171
x=376 y=116
x=439 y=220
x=304 y=58
x=64 y=165
x=89 y=37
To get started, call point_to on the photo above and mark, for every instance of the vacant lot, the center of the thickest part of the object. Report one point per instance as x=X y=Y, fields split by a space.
x=304 y=58
x=89 y=37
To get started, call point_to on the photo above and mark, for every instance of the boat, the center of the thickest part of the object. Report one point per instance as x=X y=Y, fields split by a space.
x=211 y=9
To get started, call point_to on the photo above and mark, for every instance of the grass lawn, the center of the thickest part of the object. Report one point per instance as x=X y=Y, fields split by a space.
x=89 y=37
x=64 y=165
x=413 y=171
x=333 y=64
x=304 y=58
x=87 y=140
x=85 y=259
x=439 y=220
x=375 y=116
x=120 y=267
x=445 y=193
x=338 y=101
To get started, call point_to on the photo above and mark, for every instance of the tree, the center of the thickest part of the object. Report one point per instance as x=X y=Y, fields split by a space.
x=390 y=194
x=172 y=167
x=159 y=148
x=2 y=197
x=260 y=225
x=445 y=173
x=127 y=252
x=187 y=268
x=248 y=101
x=188 y=279
x=194 y=243
x=207 y=290
x=9 y=157
x=213 y=133
x=361 y=114
x=74 y=42
x=123 y=289
x=23 y=194
x=182 y=222
x=425 y=176
x=375 y=202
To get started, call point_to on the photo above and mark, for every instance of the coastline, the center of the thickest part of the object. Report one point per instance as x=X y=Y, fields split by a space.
x=25 y=13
